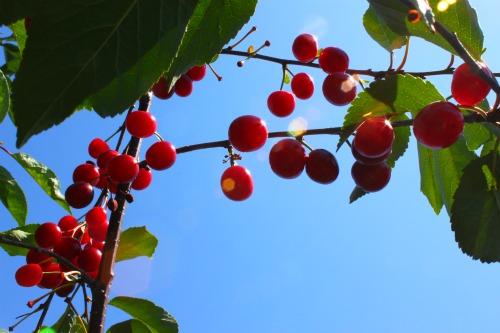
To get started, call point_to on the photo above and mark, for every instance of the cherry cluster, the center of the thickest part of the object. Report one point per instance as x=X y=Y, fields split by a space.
x=183 y=87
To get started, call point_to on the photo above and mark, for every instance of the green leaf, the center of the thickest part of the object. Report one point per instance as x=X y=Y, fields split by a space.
x=381 y=33
x=4 y=96
x=136 y=242
x=12 y=11
x=12 y=197
x=356 y=194
x=460 y=18
x=154 y=317
x=441 y=171
x=12 y=58
x=24 y=234
x=20 y=34
x=44 y=177
x=475 y=214
x=401 y=140
x=476 y=135
x=129 y=326
x=64 y=64
x=393 y=95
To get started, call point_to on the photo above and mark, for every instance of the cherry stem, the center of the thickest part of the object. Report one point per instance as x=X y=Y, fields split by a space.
x=46 y=306
x=25 y=316
x=253 y=29
x=405 y=57
x=219 y=78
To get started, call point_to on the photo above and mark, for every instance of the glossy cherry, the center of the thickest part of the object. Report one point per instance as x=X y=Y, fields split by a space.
x=96 y=216
x=122 y=169
x=68 y=247
x=86 y=172
x=321 y=166
x=160 y=89
x=236 y=183
x=468 y=88
x=183 y=86
x=161 y=155
x=29 y=275
x=287 y=158
x=281 y=103
x=374 y=137
x=141 y=124
x=197 y=73
x=305 y=47
x=143 y=179
x=96 y=147
x=79 y=194
x=371 y=178
x=339 y=88
x=438 y=125
x=89 y=259
x=332 y=60
x=302 y=85
x=247 y=133
x=47 y=234
x=369 y=160
x=104 y=157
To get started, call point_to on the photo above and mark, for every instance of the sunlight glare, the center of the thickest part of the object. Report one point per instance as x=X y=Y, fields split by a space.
x=298 y=126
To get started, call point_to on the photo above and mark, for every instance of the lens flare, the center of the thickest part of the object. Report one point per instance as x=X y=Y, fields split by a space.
x=445 y=4
x=228 y=185
x=298 y=126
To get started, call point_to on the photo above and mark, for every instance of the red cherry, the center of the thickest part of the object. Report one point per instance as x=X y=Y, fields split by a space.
x=281 y=103
x=339 y=89
x=104 y=157
x=29 y=275
x=161 y=155
x=68 y=224
x=438 y=125
x=371 y=178
x=305 y=47
x=79 y=195
x=96 y=147
x=321 y=166
x=52 y=277
x=197 y=73
x=66 y=289
x=27 y=22
x=302 y=85
x=122 y=169
x=42 y=259
x=468 y=88
x=47 y=234
x=68 y=247
x=332 y=60
x=247 y=133
x=86 y=172
x=89 y=259
x=374 y=137
x=143 y=179
x=103 y=179
x=141 y=124
x=96 y=216
x=369 y=160
x=160 y=89
x=237 y=183
x=183 y=86
x=287 y=158
x=99 y=232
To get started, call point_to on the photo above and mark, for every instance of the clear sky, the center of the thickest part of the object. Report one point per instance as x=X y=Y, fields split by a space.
x=295 y=257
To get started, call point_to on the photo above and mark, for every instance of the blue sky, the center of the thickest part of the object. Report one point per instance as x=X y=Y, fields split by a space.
x=296 y=256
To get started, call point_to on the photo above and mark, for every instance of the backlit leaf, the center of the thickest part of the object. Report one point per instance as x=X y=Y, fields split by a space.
x=129 y=326
x=24 y=234
x=12 y=197
x=376 y=27
x=136 y=242
x=4 y=96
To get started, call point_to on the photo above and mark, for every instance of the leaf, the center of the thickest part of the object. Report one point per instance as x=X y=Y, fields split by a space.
x=12 y=59
x=154 y=317
x=4 y=96
x=475 y=214
x=136 y=242
x=20 y=34
x=24 y=234
x=441 y=171
x=12 y=197
x=356 y=194
x=401 y=139
x=381 y=33
x=129 y=326
x=459 y=17
x=476 y=135
x=12 y=11
x=44 y=177
x=114 y=55
x=393 y=95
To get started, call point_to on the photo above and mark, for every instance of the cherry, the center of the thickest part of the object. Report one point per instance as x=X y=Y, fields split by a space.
x=141 y=124
x=247 y=133
x=332 y=60
x=374 y=137
x=79 y=195
x=339 y=88
x=98 y=233
x=86 y=172
x=321 y=166
x=305 y=47
x=66 y=289
x=89 y=259
x=438 y=125
x=104 y=157
x=197 y=73
x=29 y=275
x=143 y=179
x=103 y=179
x=369 y=160
x=371 y=178
x=287 y=158
x=160 y=89
x=302 y=85
x=281 y=103
x=52 y=277
x=122 y=169
x=183 y=86
x=96 y=216
x=47 y=234
x=96 y=244
x=237 y=183
x=96 y=147
x=42 y=259
x=68 y=224
x=68 y=247
x=27 y=22
x=467 y=87
x=161 y=155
